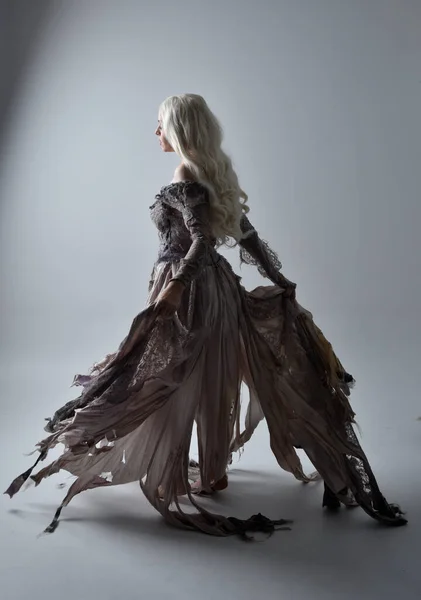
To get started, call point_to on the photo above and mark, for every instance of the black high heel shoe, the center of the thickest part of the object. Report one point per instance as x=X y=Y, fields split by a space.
x=330 y=500
x=346 y=377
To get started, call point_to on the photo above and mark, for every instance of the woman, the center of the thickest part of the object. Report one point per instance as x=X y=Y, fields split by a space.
x=187 y=354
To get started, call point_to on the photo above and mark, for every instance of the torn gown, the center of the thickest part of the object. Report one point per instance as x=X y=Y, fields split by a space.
x=134 y=419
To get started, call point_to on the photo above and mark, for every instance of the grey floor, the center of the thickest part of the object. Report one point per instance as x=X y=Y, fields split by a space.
x=111 y=544
x=320 y=105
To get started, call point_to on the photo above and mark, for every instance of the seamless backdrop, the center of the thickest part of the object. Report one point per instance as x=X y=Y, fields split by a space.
x=320 y=102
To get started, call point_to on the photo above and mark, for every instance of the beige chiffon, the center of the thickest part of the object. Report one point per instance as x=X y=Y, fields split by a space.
x=135 y=416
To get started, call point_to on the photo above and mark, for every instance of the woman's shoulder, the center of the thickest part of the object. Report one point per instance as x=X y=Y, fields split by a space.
x=184 y=189
x=183 y=174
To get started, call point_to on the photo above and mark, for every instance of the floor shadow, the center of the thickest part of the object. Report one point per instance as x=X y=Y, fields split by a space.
x=320 y=549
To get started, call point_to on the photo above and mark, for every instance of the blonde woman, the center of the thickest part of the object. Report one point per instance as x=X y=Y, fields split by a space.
x=187 y=354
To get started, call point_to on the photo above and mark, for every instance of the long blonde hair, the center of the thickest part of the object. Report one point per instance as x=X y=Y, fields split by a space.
x=195 y=134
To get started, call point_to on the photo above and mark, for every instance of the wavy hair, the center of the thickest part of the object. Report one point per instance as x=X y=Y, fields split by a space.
x=195 y=135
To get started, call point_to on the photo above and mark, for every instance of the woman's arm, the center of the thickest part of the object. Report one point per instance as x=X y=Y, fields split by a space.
x=195 y=208
x=255 y=251
x=193 y=204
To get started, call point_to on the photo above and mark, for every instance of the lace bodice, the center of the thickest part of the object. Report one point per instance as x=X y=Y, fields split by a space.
x=181 y=213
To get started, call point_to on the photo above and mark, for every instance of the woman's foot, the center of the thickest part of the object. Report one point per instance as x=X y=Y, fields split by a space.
x=345 y=377
x=330 y=499
x=181 y=491
x=333 y=501
x=220 y=485
x=217 y=486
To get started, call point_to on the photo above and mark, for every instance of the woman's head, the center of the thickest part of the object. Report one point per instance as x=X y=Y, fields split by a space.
x=188 y=127
x=163 y=141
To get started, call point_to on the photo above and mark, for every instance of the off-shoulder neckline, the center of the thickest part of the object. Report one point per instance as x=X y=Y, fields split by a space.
x=181 y=183
x=175 y=184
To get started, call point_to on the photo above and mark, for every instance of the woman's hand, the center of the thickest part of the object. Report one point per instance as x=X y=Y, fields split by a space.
x=288 y=286
x=169 y=299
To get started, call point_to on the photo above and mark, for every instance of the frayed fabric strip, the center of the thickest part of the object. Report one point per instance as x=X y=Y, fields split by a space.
x=17 y=483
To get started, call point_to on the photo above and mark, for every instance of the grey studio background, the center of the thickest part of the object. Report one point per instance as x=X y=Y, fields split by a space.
x=320 y=102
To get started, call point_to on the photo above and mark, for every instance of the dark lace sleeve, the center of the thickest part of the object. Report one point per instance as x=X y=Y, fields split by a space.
x=255 y=251
x=193 y=202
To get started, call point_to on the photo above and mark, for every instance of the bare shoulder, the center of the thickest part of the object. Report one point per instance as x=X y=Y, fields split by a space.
x=182 y=173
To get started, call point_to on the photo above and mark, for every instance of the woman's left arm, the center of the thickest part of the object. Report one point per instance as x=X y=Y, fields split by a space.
x=254 y=251
x=194 y=206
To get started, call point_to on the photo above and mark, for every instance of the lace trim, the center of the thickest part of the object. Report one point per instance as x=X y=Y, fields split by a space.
x=248 y=259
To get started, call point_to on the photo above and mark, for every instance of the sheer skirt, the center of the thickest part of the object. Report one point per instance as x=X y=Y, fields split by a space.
x=134 y=418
